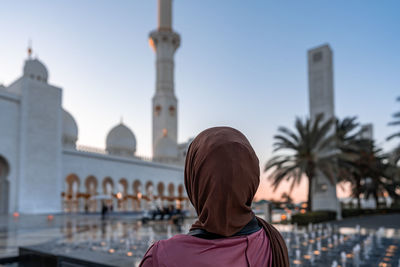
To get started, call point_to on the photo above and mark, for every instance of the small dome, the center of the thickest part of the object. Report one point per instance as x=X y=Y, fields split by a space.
x=166 y=148
x=36 y=70
x=70 y=130
x=121 y=141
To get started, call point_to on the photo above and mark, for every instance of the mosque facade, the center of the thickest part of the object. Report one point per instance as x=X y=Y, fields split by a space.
x=43 y=170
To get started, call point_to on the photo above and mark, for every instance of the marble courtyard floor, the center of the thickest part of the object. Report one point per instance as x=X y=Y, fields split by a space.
x=27 y=230
x=124 y=237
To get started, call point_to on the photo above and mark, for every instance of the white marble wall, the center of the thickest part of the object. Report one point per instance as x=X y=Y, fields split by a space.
x=9 y=143
x=40 y=143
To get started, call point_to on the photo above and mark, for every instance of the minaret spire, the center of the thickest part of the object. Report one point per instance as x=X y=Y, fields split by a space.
x=29 y=49
x=165 y=15
x=165 y=42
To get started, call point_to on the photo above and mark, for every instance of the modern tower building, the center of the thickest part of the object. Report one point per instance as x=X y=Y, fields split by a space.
x=321 y=96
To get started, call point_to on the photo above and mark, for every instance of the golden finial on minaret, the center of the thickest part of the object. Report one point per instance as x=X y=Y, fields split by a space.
x=30 y=48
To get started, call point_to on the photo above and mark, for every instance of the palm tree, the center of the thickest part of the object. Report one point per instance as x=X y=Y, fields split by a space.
x=309 y=151
x=395 y=157
x=395 y=122
x=364 y=165
x=287 y=198
x=376 y=171
x=360 y=163
x=358 y=157
x=346 y=131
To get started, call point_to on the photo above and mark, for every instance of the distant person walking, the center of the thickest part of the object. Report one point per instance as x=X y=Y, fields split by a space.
x=103 y=210
x=221 y=178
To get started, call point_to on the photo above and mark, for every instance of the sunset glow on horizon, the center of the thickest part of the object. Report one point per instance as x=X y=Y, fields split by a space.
x=299 y=193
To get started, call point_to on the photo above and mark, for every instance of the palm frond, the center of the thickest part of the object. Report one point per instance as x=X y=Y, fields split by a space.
x=321 y=132
x=282 y=142
x=393 y=136
x=289 y=133
x=396 y=122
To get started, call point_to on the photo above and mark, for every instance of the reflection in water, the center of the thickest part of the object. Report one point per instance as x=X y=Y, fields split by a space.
x=128 y=238
x=108 y=229
x=318 y=245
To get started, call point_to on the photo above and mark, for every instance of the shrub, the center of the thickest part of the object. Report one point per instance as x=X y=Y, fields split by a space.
x=313 y=217
x=360 y=212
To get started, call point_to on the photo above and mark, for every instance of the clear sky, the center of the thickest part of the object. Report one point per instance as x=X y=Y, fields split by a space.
x=241 y=63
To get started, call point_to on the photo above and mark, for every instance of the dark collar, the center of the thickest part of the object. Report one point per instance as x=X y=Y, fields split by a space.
x=248 y=229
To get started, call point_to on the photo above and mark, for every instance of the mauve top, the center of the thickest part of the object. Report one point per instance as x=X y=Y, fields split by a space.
x=186 y=250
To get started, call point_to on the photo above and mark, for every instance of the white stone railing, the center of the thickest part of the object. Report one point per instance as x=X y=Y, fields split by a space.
x=102 y=151
x=145 y=158
x=91 y=149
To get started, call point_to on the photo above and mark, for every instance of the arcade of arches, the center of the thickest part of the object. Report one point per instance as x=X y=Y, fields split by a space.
x=4 y=185
x=119 y=195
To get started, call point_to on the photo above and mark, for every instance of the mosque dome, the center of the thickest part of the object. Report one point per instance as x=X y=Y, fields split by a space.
x=166 y=148
x=70 y=130
x=121 y=141
x=36 y=70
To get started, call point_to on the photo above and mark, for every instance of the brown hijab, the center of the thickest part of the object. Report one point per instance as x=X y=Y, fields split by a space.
x=221 y=178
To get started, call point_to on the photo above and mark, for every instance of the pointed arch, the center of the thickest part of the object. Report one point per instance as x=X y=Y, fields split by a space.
x=122 y=193
x=73 y=183
x=181 y=190
x=124 y=186
x=108 y=184
x=91 y=185
x=160 y=189
x=108 y=189
x=137 y=187
x=149 y=186
x=171 y=189
x=71 y=201
x=137 y=198
x=4 y=185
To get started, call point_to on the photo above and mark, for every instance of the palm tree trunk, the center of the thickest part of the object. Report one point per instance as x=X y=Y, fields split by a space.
x=310 y=175
x=358 y=186
x=309 y=200
x=376 y=199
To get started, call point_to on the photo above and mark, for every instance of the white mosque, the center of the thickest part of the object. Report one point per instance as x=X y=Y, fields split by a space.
x=42 y=170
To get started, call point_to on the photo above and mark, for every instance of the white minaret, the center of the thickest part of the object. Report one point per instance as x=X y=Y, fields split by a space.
x=165 y=41
x=320 y=81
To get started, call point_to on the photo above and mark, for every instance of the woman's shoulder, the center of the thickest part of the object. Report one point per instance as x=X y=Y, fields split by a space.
x=160 y=248
x=187 y=240
x=175 y=240
x=188 y=248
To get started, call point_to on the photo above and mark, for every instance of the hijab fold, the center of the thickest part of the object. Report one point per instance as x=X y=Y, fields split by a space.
x=222 y=175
